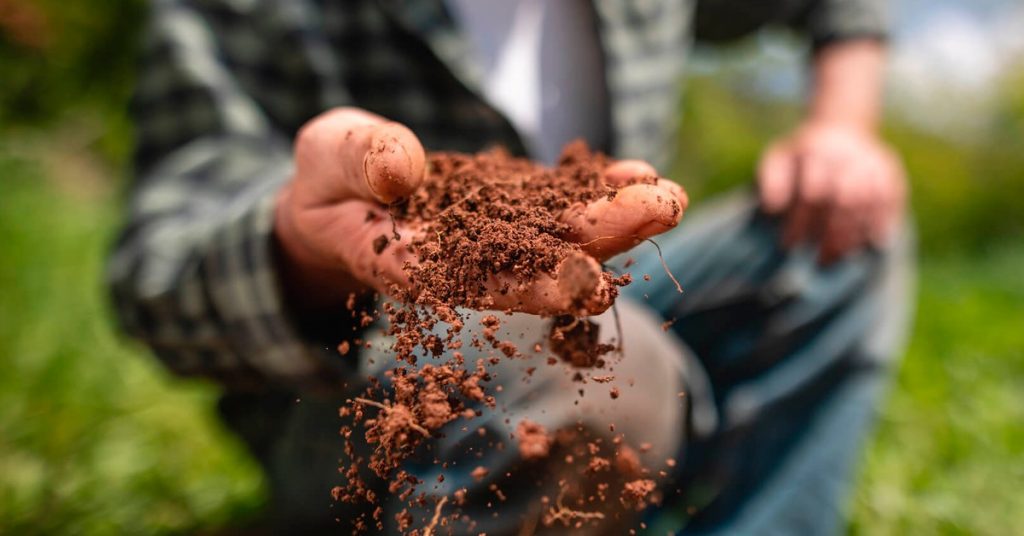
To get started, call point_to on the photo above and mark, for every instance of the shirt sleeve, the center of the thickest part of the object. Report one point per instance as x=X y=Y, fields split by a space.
x=823 y=21
x=192 y=273
x=828 y=21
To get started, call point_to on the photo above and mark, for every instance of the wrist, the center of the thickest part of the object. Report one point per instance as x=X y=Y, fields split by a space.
x=847 y=85
x=838 y=123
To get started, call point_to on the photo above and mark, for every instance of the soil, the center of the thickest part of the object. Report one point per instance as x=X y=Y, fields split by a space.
x=534 y=441
x=485 y=223
x=635 y=493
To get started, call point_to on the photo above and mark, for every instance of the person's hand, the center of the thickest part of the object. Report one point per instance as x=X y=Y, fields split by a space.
x=349 y=164
x=837 y=185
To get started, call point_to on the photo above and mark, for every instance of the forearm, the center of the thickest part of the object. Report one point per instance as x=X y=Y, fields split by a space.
x=847 y=84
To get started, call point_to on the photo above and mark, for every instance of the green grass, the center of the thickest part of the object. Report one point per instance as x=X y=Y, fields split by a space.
x=94 y=437
x=949 y=454
x=97 y=439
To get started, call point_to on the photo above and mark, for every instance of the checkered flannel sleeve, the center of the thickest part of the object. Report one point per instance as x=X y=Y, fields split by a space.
x=192 y=273
x=837 y=20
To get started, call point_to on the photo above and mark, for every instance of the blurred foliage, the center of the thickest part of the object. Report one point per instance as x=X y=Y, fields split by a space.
x=96 y=438
x=59 y=58
x=59 y=54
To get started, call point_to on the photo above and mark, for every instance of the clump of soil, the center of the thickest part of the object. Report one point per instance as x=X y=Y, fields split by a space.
x=487 y=224
x=534 y=441
x=575 y=340
x=635 y=493
x=491 y=213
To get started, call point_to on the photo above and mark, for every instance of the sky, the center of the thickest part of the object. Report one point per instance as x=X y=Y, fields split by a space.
x=952 y=51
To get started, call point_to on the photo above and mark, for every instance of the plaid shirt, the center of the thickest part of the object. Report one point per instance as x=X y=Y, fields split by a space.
x=225 y=84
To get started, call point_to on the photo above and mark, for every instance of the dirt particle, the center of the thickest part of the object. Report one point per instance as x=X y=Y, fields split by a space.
x=627 y=462
x=635 y=493
x=575 y=340
x=479 y=473
x=380 y=244
x=534 y=441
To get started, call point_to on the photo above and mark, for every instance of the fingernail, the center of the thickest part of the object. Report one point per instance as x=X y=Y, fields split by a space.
x=395 y=164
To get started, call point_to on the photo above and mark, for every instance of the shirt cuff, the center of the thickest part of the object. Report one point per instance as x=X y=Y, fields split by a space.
x=842 y=20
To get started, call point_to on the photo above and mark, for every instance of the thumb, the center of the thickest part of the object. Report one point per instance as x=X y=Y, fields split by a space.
x=348 y=153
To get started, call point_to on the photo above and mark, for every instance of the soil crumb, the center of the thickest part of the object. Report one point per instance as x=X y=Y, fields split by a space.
x=534 y=441
x=635 y=494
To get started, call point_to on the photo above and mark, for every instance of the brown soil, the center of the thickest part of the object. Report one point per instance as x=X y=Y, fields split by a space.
x=481 y=218
x=635 y=493
x=575 y=340
x=534 y=441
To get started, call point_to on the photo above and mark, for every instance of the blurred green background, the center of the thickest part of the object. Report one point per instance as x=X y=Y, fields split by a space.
x=95 y=438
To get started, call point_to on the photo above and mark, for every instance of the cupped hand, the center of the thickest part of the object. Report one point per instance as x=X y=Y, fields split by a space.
x=836 y=185
x=350 y=164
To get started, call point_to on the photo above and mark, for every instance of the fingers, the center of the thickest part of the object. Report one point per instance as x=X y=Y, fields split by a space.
x=578 y=287
x=626 y=172
x=606 y=227
x=395 y=164
x=776 y=179
x=811 y=201
x=645 y=205
x=348 y=153
x=840 y=187
x=348 y=161
x=623 y=172
x=862 y=205
x=848 y=215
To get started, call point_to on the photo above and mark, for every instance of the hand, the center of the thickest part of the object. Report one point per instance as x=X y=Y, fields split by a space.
x=349 y=164
x=837 y=185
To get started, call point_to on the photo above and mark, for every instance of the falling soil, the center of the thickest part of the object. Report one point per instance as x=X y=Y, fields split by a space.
x=534 y=441
x=486 y=225
x=635 y=493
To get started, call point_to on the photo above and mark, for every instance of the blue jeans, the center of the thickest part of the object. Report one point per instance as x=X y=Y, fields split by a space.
x=783 y=361
x=797 y=356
